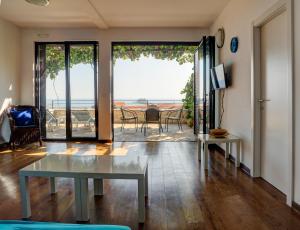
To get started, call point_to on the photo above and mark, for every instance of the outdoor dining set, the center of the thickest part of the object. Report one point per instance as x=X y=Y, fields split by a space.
x=152 y=115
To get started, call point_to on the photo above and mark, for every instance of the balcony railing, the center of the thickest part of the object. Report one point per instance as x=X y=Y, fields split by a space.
x=90 y=103
x=76 y=104
x=145 y=102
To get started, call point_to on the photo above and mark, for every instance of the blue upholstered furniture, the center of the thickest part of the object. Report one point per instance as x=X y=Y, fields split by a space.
x=23 y=117
x=27 y=225
x=24 y=123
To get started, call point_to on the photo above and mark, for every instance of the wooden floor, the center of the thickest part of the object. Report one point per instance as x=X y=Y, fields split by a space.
x=181 y=194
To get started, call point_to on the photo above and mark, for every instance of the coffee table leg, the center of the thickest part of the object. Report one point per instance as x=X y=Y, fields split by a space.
x=52 y=185
x=141 y=199
x=199 y=150
x=25 y=198
x=81 y=199
x=227 y=151
x=146 y=182
x=77 y=198
x=205 y=156
x=238 y=153
x=85 y=199
x=98 y=187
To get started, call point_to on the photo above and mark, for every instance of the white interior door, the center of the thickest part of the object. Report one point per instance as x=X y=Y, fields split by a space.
x=274 y=106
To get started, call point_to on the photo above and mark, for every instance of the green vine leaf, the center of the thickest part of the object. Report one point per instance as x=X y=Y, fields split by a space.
x=188 y=101
x=55 y=55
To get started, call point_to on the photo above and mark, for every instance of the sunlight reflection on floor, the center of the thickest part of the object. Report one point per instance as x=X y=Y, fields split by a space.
x=75 y=148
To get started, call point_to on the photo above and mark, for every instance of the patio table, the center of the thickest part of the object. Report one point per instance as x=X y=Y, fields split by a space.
x=160 y=110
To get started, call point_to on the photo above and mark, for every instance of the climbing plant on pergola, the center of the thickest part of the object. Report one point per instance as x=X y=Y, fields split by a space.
x=181 y=53
x=55 y=59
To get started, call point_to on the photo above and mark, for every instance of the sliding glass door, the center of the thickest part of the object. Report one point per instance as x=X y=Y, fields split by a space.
x=203 y=91
x=66 y=89
x=51 y=89
x=82 y=91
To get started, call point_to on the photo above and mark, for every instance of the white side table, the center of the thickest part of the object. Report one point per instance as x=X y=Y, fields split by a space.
x=207 y=139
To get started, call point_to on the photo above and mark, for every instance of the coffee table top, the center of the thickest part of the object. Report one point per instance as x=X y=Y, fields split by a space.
x=90 y=166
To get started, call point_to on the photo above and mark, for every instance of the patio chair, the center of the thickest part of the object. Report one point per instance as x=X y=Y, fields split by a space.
x=174 y=116
x=152 y=115
x=128 y=115
x=50 y=120
x=82 y=117
x=24 y=121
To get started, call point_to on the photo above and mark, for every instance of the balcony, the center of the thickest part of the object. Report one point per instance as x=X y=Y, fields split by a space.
x=130 y=133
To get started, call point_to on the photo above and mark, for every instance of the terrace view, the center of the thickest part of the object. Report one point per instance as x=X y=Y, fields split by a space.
x=152 y=74
x=68 y=110
x=132 y=132
x=83 y=118
x=144 y=80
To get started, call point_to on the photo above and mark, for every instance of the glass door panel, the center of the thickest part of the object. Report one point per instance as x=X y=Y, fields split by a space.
x=82 y=91
x=204 y=95
x=210 y=93
x=201 y=108
x=198 y=91
x=65 y=89
x=52 y=90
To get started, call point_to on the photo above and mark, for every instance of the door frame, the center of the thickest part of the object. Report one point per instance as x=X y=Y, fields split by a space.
x=277 y=9
x=208 y=50
x=67 y=45
x=138 y=43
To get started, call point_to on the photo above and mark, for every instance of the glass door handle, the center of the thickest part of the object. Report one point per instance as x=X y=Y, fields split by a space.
x=263 y=100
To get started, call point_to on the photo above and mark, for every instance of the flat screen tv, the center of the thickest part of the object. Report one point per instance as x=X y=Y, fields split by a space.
x=218 y=77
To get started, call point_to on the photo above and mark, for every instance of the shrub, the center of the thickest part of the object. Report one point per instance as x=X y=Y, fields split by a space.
x=188 y=101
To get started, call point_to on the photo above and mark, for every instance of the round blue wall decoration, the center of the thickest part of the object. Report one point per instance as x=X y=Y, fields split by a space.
x=234 y=45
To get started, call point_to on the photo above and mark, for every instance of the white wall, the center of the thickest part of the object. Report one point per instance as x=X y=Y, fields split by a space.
x=9 y=70
x=297 y=99
x=236 y=19
x=105 y=37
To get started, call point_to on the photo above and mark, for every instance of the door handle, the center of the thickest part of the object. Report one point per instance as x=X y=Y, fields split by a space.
x=263 y=100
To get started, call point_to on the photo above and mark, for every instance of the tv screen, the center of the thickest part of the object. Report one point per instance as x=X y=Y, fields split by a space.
x=218 y=77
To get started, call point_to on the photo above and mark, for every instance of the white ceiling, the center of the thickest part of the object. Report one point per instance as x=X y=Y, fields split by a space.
x=113 y=13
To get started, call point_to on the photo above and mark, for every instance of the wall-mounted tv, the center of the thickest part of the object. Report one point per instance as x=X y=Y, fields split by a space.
x=218 y=77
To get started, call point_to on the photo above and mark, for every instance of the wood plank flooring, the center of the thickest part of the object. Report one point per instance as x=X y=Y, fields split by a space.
x=181 y=194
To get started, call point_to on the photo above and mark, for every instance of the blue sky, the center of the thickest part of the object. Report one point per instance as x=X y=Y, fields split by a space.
x=82 y=83
x=148 y=78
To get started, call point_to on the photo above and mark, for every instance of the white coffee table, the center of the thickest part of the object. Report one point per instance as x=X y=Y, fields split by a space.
x=81 y=168
x=207 y=139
